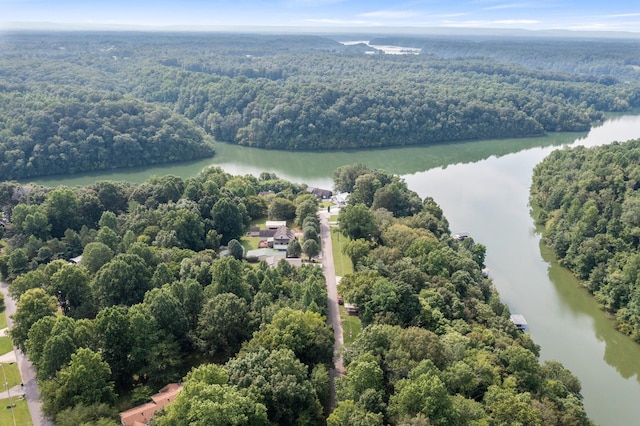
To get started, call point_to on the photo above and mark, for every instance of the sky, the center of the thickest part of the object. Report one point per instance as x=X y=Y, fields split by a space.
x=577 y=15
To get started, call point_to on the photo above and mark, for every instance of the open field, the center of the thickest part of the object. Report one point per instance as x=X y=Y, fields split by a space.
x=18 y=415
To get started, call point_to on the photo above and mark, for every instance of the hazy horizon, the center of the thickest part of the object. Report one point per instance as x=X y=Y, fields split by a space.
x=540 y=15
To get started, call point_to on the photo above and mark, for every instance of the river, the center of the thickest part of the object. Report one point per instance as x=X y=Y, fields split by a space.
x=483 y=189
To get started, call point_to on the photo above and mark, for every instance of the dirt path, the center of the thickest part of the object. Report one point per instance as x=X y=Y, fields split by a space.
x=332 y=299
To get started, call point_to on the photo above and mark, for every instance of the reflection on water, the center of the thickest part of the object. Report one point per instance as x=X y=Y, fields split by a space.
x=620 y=351
x=316 y=168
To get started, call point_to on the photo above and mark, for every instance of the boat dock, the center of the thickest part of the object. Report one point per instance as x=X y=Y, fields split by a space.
x=519 y=322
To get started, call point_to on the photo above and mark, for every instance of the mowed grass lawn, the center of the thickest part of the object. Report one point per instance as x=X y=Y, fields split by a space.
x=5 y=345
x=3 y=319
x=341 y=262
x=249 y=243
x=19 y=413
x=351 y=327
x=12 y=374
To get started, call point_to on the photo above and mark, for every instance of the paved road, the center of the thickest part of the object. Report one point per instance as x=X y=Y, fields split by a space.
x=27 y=371
x=332 y=299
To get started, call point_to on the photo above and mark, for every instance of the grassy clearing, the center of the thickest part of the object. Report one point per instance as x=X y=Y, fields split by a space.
x=19 y=413
x=250 y=243
x=351 y=326
x=3 y=319
x=5 y=345
x=341 y=262
x=12 y=374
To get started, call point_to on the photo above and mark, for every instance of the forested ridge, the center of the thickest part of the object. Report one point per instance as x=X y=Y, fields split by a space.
x=284 y=92
x=153 y=302
x=48 y=129
x=589 y=203
x=616 y=59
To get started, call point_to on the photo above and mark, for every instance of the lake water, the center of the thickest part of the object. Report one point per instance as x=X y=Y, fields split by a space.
x=483 y=188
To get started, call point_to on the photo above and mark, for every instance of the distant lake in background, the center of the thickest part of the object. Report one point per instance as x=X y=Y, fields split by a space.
x=483 y=188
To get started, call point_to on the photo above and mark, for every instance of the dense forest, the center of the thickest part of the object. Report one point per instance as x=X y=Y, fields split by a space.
x=589 y=203
x=46 y=129
x=152 y=301
x=75 y=102
x=616 y=59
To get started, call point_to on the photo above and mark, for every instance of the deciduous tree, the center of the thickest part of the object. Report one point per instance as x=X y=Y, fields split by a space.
x=86 y=380
x=33 y=305
x=357 y=222
x=279 y=381
x=224 y=324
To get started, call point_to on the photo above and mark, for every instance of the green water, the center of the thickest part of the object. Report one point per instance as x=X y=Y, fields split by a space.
x=483 y=189
x=315 y=168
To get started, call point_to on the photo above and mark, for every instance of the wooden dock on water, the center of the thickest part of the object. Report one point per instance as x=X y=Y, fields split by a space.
x=519 y=321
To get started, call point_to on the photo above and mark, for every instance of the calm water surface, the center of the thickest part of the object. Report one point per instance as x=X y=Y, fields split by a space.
x=483 y=189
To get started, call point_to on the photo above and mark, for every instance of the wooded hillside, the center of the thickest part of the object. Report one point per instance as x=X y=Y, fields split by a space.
x=589 y=202
x=86 y=101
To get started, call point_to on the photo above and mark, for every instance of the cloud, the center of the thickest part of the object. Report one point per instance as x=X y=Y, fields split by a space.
x=622 y=15
x=516 y=21
x=389 y=14
x=486 y=23
x=590 y=26
x=509 y=6
x=604 y=26
x=311 y=3
x=449 y=15
x=337 y=21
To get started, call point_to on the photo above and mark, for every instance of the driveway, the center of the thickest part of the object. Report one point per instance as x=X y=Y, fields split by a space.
x=27 y=371
x=332 y=300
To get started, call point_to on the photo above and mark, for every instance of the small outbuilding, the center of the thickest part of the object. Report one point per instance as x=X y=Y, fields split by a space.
x=351 y=309
x=275 y=224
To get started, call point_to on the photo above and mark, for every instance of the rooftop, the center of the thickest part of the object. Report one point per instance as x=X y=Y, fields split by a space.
x=142 y=414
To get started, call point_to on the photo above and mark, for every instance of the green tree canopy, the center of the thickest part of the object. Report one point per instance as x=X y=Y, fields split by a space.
x=227 y=220
x=122 y=281
x=279 y=381
x=305 y=333
x=224 y=324
x=95 y=255
x=357 y=222
x=84 y=381
x=33 y=305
